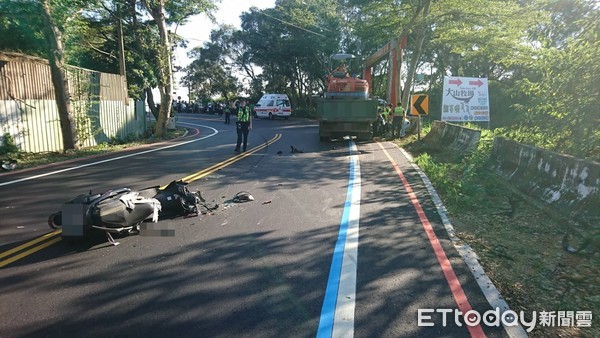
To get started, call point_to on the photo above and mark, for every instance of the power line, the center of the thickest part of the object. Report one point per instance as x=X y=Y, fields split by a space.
x=281 y=12
x=291 y=24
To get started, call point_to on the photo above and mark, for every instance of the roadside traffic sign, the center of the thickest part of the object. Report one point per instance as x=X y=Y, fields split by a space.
x=419 y=105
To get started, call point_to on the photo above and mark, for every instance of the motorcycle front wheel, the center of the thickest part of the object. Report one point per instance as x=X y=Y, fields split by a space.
x=55 y=220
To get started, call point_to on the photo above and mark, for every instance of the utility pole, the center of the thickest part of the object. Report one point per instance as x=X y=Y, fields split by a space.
x=121 y=53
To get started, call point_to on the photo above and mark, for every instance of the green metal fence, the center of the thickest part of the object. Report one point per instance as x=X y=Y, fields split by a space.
x=28 y=110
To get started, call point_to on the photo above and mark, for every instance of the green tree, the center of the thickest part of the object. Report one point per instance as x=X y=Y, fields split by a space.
x=156 y=8
x=21 y=28
x=45 y=28
x=60 y=80
x=558 y=89
x=378 y=23
x=292 y=43
x=93 y=42
x=164 y=11
x=211 y=72
x=461 y=37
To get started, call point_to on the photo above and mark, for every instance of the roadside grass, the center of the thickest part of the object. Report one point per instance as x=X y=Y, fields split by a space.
x=517 y=240
x=29 y=160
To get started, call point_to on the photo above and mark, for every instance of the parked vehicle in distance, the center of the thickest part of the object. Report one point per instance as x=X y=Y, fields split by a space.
x=273 y=105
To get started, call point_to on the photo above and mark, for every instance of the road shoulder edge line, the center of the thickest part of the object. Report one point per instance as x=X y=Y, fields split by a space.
x=468 y=255
x=110 y=159
x=96 y=156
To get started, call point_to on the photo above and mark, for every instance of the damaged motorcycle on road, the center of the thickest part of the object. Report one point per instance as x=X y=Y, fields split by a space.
x=122 y=210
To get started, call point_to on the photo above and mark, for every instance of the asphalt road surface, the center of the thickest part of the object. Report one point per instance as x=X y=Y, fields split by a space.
x=333 y=244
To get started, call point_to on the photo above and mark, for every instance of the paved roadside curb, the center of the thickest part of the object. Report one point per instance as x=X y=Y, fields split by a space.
x=133 y=148
x=467 y=254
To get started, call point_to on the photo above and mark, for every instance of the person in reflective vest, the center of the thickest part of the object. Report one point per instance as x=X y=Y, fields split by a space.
x=387 y=112
x=243 y=125
x=398 y=121
x=228 y=113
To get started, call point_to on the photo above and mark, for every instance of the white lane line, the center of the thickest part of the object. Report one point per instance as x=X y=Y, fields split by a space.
x=337 y=313
x=468 y=255
x=215 y=132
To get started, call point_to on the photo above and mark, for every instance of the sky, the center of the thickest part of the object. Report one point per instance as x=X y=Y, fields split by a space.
x=197 y=30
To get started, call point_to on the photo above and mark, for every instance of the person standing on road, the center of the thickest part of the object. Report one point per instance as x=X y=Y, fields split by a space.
x=379 y=125
x=390 y=118
x=243 y=125
x=227 y=113
x=398 y=120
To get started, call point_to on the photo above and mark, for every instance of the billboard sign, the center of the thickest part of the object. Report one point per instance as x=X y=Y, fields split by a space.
x=465 y=99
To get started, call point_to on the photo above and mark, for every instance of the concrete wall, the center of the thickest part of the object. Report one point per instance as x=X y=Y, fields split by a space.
x=570 y=186
x=446 y=136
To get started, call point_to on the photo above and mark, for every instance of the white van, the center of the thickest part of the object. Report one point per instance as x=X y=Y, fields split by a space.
x=273 y=105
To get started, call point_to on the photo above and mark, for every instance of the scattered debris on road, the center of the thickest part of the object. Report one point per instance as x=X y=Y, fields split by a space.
x=9 y=164
x=243 y=196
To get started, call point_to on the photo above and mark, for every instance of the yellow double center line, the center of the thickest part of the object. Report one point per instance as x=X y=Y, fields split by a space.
x=46 y=240
x=24 y=246
x=205 y=172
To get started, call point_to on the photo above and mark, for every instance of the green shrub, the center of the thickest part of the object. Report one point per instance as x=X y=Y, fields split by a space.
x=443 y=177
x=8 y=146
x=459 y=178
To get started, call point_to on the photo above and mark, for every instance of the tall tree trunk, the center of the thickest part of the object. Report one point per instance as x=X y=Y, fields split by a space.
x=415 y=59
x=60 y=79
x=293 y=88
x=165 y=85
x=151 y=103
